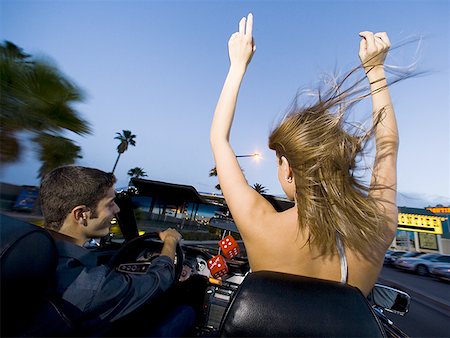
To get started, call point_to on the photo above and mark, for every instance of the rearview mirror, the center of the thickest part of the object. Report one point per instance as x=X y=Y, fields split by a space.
x=391 y=299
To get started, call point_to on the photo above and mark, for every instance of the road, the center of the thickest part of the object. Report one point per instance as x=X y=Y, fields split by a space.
x=429 y=312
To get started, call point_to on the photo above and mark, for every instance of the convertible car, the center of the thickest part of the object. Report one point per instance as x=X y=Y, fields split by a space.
x=235 y=303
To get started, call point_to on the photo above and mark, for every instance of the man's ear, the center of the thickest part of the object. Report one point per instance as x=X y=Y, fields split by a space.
x=79 y=213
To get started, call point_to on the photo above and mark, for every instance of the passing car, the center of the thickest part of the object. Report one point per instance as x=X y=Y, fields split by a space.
x=390 y=259
x=240 y=303
x=422 y=264
x=441 y=271
x=391 y=256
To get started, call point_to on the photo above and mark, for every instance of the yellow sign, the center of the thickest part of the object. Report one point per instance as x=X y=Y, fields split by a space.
x=440 y=210
x=420 y=223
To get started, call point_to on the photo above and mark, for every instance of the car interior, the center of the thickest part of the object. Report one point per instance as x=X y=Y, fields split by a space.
x=264 y=304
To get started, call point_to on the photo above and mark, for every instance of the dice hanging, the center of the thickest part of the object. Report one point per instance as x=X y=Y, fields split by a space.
x=229 y=247
x=217 y=266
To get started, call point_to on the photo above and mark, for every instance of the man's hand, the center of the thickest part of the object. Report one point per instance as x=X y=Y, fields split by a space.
x=170 y=237
x=373 y=49
x=241 y=45
x=170 y=233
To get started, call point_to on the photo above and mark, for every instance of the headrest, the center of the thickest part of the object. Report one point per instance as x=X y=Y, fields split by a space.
x=273 y=304
x=28 y=258
x=28 y=265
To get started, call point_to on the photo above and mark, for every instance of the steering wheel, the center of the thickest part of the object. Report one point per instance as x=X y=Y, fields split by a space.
x=130 y=251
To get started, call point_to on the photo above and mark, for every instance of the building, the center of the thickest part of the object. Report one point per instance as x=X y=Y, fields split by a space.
x=424 y=230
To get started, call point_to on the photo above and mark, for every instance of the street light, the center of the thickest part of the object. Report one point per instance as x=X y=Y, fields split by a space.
x=213 y=171
x=255 y=155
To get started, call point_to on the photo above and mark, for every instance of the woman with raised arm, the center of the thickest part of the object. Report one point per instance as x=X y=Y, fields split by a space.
x=338 y=229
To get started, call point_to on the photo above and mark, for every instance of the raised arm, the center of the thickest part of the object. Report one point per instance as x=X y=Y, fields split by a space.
x=383 y=187
x=243 y=201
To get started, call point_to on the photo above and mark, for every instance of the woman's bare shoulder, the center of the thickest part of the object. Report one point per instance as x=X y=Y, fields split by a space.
x=272 y=227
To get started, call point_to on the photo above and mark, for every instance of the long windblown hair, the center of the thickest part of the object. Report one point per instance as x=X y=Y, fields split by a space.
x=326 y=154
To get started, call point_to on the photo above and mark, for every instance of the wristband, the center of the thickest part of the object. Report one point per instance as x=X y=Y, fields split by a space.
x=373 y=82
x=372 y=67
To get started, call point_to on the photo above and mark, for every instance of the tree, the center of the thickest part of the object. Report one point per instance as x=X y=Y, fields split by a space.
x=136 y=173
x=126 y=139
x=259 y=188
x=55 y=151
x=36 y=98
x=213 y=172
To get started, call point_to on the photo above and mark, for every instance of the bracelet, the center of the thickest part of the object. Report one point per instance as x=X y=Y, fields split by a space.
x=372 y=67
x=373 y=82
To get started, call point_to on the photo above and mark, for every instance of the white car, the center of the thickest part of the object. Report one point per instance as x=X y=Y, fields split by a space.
x=422 y=264
x=441 y=271
x=392 y=255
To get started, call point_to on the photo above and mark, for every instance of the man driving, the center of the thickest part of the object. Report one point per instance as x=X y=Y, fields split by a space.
x=78 y=204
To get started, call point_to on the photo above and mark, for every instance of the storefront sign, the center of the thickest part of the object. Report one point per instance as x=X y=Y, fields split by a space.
x=420 y=223
x=440 y=210
x=428 y=241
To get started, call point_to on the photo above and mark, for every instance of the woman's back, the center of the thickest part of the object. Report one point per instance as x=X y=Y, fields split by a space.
x=278 y=245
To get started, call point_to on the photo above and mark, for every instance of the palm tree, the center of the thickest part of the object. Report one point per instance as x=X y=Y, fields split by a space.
x=126 y=139
x=36 y=98
x=136 y=173
x=259 y=188
x=55 y=151
x=213 y=172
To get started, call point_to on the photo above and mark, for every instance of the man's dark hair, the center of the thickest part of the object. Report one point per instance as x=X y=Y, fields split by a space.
x=66 y=187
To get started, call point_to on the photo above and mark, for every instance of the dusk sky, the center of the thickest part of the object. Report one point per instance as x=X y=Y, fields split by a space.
x=157 y=68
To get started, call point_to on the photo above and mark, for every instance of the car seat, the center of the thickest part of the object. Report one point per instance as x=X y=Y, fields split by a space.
x=28 y=263
x=274 y=304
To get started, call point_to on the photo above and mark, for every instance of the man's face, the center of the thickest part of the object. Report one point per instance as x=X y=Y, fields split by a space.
x=106 y=210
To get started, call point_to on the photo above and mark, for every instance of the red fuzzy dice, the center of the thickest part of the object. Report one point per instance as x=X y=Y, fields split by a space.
x=217 y=266
x=229 y=247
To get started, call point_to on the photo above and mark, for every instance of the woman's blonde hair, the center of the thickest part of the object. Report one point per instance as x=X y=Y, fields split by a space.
x=325 y=153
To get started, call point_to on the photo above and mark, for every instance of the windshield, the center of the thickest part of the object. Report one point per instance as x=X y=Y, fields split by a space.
x=398 y=253
x=444 y=259
x=195 y=221
x=428 y=256
x=413 y=254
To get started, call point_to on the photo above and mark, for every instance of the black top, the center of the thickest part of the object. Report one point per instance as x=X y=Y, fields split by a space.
x=102 y=292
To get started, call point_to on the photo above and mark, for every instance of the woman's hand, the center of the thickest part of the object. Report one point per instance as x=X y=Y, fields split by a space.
x=373 y=49
x=241 y=45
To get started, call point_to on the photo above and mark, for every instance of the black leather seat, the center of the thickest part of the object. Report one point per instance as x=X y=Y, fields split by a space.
x=273 y=304
x=28 y=263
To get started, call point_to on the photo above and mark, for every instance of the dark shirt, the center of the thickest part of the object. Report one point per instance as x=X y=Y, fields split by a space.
x=105 y=293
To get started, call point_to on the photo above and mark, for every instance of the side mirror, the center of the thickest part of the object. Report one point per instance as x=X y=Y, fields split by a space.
x=390 y=299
